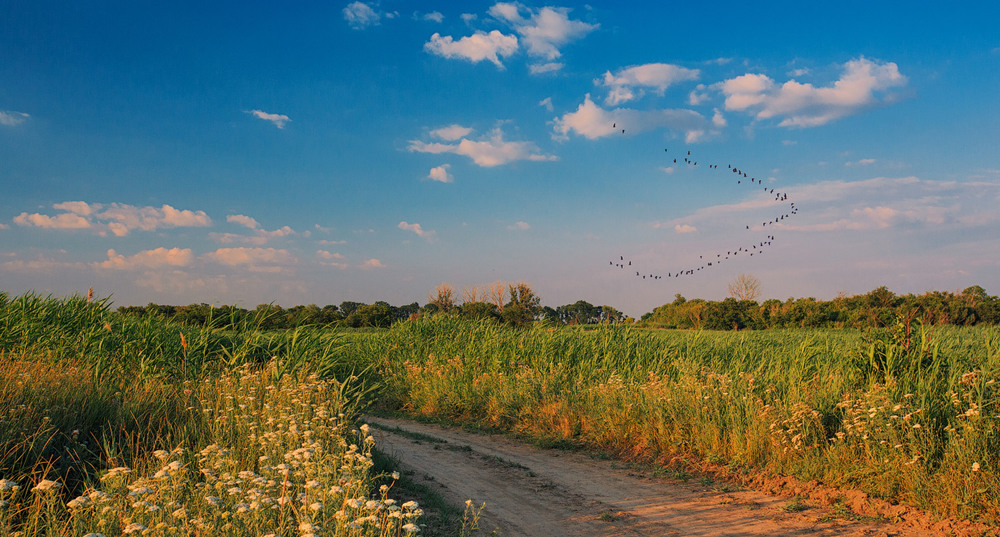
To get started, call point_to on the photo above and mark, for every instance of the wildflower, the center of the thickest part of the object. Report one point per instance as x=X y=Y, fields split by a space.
x=46 y=485
x=79 y=502
x=161 y=454
x=180 y=513
x=411 y=528
x=94 y=535
x=134 y=527
x=395 y=475
x=214 y=500
x=6 y=485
x=975 y=467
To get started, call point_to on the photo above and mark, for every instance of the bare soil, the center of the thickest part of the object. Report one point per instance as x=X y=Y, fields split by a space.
x=529 y=491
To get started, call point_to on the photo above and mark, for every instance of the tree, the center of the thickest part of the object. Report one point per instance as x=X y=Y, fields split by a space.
x=524 y=305
x=443 y=297
x=745 y=287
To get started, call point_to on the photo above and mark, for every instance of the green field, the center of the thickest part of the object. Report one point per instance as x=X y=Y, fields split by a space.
x=910 y=416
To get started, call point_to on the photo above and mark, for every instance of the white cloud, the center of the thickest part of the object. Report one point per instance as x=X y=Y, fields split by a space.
x=126 y=218
x=372 y=264
x=440 y=173
x=546 y=103
x=468 y=18
x=718 y=120
x=451 y=132
x=544 y=30
x=667 y=169
x=685 y=228
x=519 y=226
x=12 y=119
x=805 y=105
x=243 y=220
x=259 y=238
x=434 y=16
x=492 y=150
x=629 y=83
x=279 y=120
x=324 y=254
x=360 y=15
x=592 y=122
x=416 y=228
x=325 y=242
x=59 y=221
x=254 y=259
x=156 y=258
x=862 y=162
x=549 y=67
x=475 y=48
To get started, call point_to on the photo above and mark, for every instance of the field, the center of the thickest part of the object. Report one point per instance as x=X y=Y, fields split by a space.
x=110 y=423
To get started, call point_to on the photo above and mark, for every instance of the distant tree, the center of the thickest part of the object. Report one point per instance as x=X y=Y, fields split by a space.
x=579 y=312
x=611 y=315
x=479 y=310
x=524 y=305
x=497 y=294
x=347 y=307
x=745 y=287
x=443 y=297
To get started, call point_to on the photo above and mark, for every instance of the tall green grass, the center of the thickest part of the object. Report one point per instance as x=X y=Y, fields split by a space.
x=205 y=424
x=907 y=416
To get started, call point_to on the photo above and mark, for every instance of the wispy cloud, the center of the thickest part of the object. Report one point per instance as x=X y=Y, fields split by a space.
x=360 y=15
x=416 y=228
x=10 y=118
x=279 y=120
x=685 y=228
x=474 y=48
x=860 y=86
x=543 y=30
x=433 y=16
x=491 y=150
x=148 y=259
x=593 y=122
x=372 y=264
x=631 y=82
x=253 y=259
x=519 y=226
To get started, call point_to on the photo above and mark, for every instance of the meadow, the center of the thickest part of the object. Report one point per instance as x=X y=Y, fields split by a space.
x=907 y=415
x=114 y=424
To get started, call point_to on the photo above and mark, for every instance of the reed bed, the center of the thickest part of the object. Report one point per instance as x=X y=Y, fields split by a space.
x=908 y=416
x=96 y=441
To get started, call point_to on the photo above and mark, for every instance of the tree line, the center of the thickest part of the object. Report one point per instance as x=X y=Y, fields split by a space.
x=877 y=308
x=517 y=304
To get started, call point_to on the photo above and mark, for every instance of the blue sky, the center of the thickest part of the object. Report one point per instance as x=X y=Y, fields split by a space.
x=255 y=152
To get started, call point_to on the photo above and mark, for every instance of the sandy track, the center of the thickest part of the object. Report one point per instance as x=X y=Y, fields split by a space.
x=540 y=493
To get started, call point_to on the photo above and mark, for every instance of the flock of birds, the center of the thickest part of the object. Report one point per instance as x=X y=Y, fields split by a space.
x=746 y=250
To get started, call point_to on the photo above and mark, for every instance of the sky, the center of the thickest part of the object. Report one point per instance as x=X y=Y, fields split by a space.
x=317 y=152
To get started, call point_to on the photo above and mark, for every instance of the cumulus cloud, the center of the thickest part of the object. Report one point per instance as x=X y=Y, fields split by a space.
x=631 y=82
x=126 y=218
x=519 y=226
x=416 y=228
x=544 y=30
x=546 y=103
x=491 y=150
x=360 y=15
x=440 y=174
x=243 y=220
x=59 y=221
x=451 y=132
x=372 y=264
x=864 y=83
x=685 y=228
x=253 y=259
x=10 y=118
x=593 y=122
x=259 y=237
x=474 y=48
x=148 y=259
x=278 y=120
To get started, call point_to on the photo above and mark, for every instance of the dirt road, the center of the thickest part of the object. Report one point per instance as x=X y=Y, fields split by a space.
x=545 y=493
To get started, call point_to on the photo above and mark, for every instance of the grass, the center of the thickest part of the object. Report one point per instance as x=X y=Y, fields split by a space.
x=111 y=426
x=915 y=422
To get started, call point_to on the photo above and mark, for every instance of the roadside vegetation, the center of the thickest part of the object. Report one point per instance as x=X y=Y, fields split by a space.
x=197 y=420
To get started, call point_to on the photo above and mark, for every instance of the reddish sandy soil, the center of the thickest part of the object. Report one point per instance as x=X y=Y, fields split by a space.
x=536 y=492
